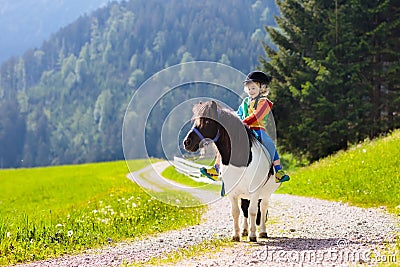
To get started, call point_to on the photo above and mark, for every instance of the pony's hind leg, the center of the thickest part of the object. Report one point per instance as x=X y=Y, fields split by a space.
x=252 y=216
x=264 y=216
x=245 y=227
x=235 y=215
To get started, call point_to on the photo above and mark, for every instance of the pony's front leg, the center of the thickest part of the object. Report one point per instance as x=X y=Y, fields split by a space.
x=235 y=215
x=244 y=204
x=263 y=218
x=253 y=208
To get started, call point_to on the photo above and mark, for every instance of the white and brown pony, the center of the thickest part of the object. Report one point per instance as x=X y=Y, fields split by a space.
x=246 y=169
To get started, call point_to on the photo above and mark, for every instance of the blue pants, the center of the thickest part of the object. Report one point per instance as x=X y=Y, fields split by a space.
x=268 y=143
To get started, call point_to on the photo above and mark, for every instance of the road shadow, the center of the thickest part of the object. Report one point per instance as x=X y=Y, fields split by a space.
x=299 y=244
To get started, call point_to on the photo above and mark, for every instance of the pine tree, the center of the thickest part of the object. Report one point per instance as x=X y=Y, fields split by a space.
x=381 y=35
x=328 y=82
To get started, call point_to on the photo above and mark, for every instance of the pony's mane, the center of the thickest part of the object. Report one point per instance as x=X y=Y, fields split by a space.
x=230 y=117
x=234 y=136
x=227 y=116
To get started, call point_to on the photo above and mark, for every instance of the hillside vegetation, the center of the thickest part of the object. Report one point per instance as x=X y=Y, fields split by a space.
x=47 y=212
x=367 y=174
x=64 y=102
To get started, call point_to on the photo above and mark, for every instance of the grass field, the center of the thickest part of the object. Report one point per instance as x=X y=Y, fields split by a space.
x=47 y=212
x=366 y=175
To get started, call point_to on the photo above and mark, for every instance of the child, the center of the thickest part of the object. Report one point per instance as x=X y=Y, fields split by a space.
x=254 y=112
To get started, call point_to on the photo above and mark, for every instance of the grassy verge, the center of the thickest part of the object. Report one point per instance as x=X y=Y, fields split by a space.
x=366 y=175
x=47 y=212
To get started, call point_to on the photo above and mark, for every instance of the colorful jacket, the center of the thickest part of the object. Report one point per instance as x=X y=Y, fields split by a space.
x=254 y=112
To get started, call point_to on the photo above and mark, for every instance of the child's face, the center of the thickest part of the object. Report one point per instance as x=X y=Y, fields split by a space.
x=252 y=89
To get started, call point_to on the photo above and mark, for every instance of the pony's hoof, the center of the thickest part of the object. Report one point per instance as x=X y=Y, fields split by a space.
x=263 y=235
x=236 y=238
x=245 y=232
x=253 y=239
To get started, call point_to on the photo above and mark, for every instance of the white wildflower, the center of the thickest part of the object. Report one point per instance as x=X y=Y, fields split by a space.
x=59 y=225
x=8 y=234
x=70 y=233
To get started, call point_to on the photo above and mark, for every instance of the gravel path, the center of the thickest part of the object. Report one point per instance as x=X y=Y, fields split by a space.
x=303 y=232
x=312 y=232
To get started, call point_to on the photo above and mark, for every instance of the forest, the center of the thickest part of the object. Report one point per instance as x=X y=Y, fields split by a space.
x=337 y=73
x=64 y=102
x=335 y=67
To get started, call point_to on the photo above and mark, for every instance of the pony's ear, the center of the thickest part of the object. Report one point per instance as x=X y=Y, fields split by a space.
x=214 y=105
x=214 y=110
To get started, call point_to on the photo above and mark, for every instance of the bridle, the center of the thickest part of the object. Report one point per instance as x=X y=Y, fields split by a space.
x=202 y=138
x=215 y=139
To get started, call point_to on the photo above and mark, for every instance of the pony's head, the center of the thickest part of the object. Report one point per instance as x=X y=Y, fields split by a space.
x=205 y=125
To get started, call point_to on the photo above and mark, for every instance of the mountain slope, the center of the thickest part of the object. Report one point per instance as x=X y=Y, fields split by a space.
x=26 y=24
x=65 y=102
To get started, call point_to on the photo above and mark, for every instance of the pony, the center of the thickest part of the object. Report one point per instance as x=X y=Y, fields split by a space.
x=246 y=168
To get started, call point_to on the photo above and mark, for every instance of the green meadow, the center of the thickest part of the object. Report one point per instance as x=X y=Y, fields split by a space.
x=47 y=212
